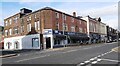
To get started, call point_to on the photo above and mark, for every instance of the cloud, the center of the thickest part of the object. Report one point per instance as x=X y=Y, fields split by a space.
x=109 y=13
x=112 y=22
x=103 y=11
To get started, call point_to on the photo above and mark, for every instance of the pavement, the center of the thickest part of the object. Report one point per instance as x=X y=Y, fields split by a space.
x=85 y=55
x=116 y=49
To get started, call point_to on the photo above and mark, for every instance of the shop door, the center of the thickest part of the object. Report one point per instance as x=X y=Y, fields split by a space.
x=48 y=42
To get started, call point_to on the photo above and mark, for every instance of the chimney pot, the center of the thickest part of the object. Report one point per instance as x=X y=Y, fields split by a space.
x=74 y=14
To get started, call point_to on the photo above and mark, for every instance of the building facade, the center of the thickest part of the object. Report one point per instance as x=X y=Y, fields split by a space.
x=97 y=30
x=1 y=37
x=103 y=32
x=112 y=34
x=44 y=28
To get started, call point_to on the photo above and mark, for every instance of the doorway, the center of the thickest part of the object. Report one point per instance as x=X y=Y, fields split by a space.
x=48 y=42
x=8 y=45
x=16 y=45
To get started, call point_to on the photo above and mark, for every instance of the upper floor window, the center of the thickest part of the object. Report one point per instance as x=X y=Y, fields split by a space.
x=57 y=25
x=72 y=29
x=6 y=23
x=10 y=31
x=6 y=32
x=16 y=30
x=72 y=19
x=22 y=21
x=64 y=16
x=57 y=15
x=65 y=27
x=38 y=22
x=28 y=18
x=10 y=21
x=15 y=19
x=35 y=16
x=22 y=29
x=29 y=27
x=37 y=25
x=80 y=30
x=85 y=31
x=80 y=21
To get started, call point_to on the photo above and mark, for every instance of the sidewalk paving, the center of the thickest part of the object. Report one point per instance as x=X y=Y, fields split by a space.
x=116 y=49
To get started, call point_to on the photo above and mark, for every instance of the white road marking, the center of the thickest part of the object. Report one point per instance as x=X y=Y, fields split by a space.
x=102 y=54
x=92 y=59
x=111 y=60
x=87 y=61
x=94 y=62
x=99 y=56
x=95 y=59
x=99 y=59
x=82 y=63
x=32 y=58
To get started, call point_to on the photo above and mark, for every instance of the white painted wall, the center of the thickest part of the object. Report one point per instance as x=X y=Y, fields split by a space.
x=25 y=42
x=51 y=38
x=12 y=40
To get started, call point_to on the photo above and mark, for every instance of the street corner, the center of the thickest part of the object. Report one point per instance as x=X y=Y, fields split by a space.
x=116 y=49
x=9 y=55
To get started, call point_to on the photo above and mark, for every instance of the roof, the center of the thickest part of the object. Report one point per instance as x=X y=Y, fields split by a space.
x=48 y=8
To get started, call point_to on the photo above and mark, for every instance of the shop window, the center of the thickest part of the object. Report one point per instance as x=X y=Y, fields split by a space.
x=35 y=42
x=56 y=42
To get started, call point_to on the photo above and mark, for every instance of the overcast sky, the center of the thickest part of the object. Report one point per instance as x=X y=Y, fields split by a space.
x=107 y=10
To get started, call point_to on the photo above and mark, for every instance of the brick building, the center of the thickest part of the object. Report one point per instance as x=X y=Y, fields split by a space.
x=1 y=37
x=44 y=28
x=96 y=29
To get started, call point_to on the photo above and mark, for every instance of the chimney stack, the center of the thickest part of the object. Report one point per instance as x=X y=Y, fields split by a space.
x=74 y=14
x=24 y=11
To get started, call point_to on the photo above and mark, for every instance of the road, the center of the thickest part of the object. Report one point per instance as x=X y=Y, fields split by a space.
x=79 y=55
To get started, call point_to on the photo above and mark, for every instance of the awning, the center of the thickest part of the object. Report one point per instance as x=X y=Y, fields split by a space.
x=58 y=36
x=78 y=37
